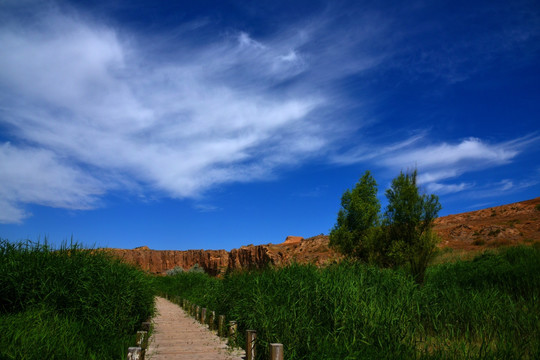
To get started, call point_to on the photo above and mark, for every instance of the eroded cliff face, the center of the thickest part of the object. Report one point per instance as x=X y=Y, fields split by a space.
x=511 y=224
x=215 y=262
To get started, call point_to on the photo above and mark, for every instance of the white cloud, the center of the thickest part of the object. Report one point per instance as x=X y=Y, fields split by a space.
x=94 y=108
x=175 y=118
x=444 y=155
x=503 y=187
x=442 y=189
x=38 y=176
x=440 y=162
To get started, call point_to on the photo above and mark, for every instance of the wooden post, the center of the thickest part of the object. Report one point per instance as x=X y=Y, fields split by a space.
x=233 y=326
x=197 y=312
x=142 y=339
x=212 y=320
x=221 y=326
x=142 y=342
x=145 y=326
x=276 y=351
x=251 y=336
x=134 y=353
x=203 y=316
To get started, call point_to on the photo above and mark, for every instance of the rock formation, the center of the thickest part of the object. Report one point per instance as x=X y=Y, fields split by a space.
x=215 y=262
x=159 y=261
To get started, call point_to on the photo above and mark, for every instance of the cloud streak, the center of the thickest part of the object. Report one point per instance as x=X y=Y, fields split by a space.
x=440 y=162
x=94 y=108
x=38 y=176
x=83 y=102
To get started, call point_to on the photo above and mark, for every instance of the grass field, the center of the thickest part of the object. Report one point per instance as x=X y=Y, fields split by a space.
x=488 y=307
x=68 y=303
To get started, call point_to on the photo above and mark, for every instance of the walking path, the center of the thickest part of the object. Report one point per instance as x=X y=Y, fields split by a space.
x=178 y=336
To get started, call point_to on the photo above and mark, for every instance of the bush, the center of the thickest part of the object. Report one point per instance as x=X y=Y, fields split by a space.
x=196 y=269
x=174 y=271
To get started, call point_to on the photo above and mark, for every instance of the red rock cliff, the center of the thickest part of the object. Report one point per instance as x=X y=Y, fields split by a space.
x=159 y=261
x=313 y=250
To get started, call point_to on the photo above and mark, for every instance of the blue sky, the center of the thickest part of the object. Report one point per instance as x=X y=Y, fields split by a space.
x=216 y=124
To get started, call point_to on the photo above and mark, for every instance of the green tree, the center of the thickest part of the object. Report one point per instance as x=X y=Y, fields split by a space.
x=357 y=219
x=408 y=223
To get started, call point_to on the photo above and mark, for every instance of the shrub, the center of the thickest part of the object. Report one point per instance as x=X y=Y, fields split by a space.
x=174 y=271
x=196 y=269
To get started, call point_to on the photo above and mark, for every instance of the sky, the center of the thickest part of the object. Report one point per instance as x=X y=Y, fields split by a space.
x=215 y=124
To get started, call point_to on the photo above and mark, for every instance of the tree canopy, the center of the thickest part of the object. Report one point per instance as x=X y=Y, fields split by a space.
x=358 y=215
x=401 y=236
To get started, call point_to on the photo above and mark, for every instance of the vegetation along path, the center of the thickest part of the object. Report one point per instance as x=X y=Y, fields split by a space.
x=178 y=336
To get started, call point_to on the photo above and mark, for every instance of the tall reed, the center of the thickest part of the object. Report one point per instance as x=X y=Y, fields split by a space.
x=68 y=303
x=486 y=308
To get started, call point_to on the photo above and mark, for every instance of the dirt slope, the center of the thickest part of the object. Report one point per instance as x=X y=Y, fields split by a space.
x=510 y=224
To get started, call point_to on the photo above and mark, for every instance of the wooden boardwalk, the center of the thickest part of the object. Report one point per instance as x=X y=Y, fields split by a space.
x=178 y=336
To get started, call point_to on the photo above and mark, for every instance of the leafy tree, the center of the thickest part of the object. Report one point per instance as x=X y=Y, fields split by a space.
x=403 y=237
x=357 y=218
x=408 y=223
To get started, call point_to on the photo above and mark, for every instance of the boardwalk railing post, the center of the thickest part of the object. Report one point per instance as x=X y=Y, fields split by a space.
x=276 y=351
x=212 y=320
x=203 y=316
x=142 y=339
x=197 y=312
x=251 y=336
x=233 y=326
x=134 y=353
x=142 y=342
x=221 y=326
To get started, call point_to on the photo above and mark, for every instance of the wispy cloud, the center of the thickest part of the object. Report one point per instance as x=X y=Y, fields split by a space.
x=92 y=107
x=490 y=189
x=440 y=162
x=38 y=176
x=97 y=109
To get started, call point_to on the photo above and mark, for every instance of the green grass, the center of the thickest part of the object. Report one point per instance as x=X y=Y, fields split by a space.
x=68 y=303
x=485 y=308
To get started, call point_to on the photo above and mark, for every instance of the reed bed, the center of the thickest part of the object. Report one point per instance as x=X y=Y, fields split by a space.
x=485 y=308
x=68 y=303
